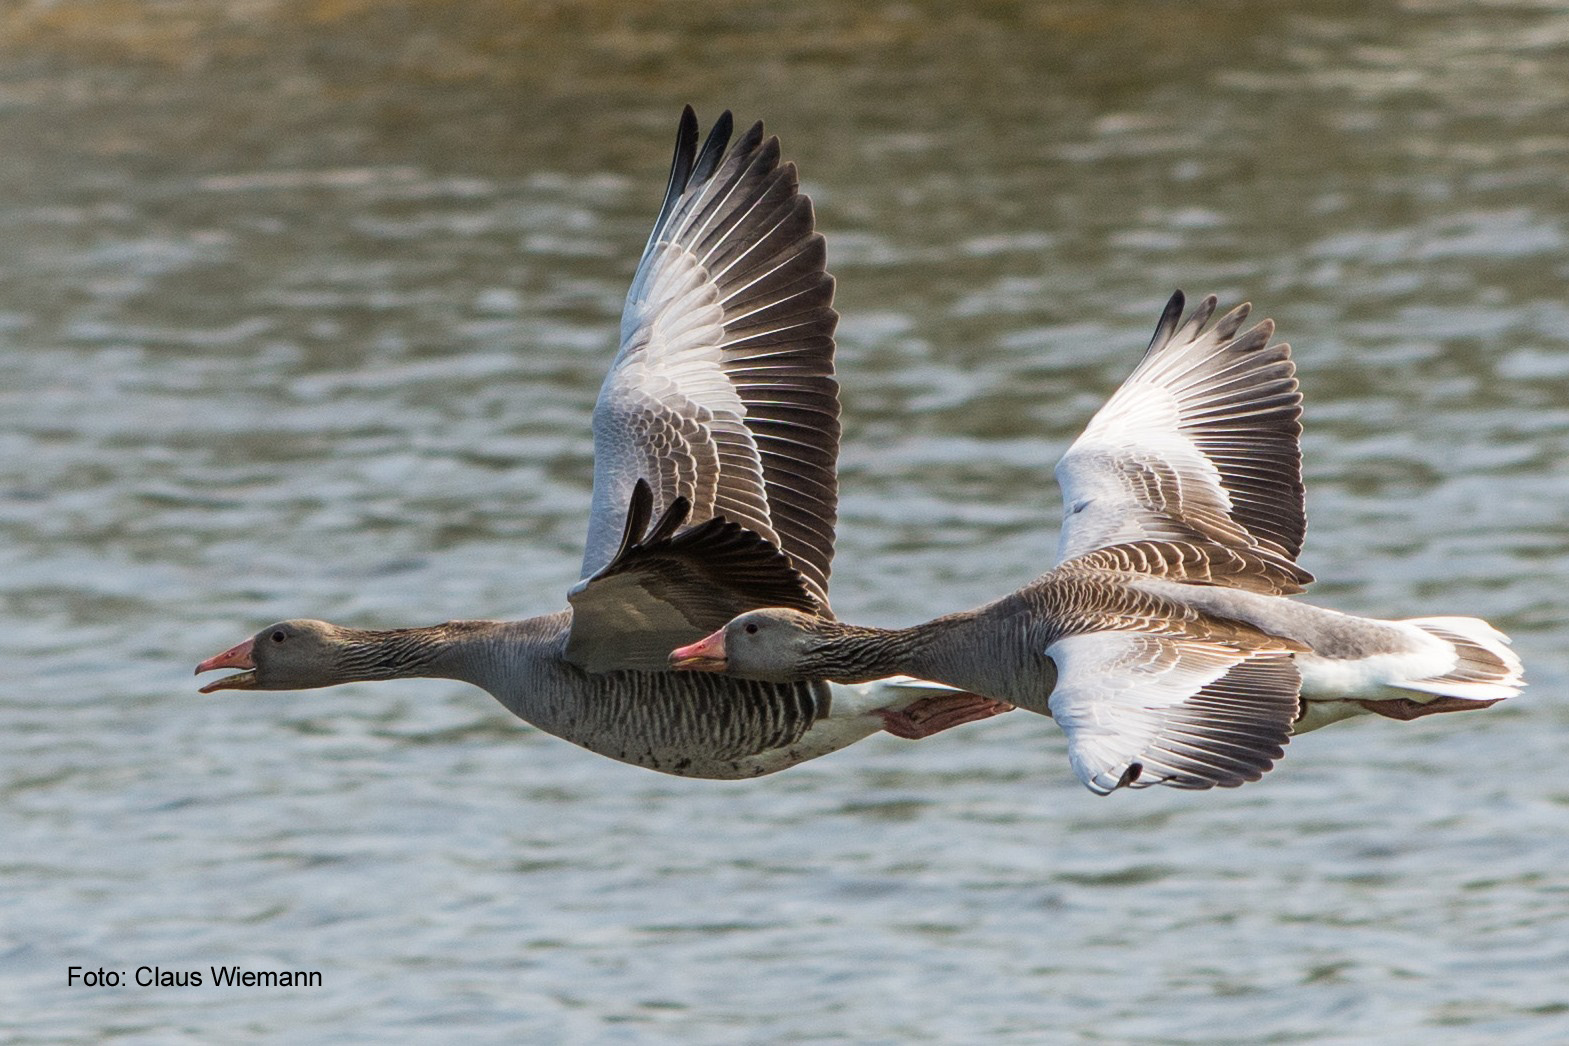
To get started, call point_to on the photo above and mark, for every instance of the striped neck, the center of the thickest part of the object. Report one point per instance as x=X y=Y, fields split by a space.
x=463 y=650
x=860 y=653
x=979 y=651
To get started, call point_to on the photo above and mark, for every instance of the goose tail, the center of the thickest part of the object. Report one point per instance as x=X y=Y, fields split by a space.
x=1484 y=669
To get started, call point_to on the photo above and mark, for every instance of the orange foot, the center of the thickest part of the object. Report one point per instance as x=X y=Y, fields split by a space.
x=933 y=715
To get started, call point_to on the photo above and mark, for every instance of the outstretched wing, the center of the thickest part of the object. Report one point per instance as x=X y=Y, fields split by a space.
x=723 y=391
x=1143 y=709
x=664 y=589
x=1199 y=448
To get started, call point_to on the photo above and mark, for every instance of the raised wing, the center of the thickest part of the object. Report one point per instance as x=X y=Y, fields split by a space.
x=723 y=391
x=1144 y=709
x=1200 y=447
x=664 y=589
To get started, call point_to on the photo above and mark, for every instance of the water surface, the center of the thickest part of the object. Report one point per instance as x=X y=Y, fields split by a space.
x=304 y=309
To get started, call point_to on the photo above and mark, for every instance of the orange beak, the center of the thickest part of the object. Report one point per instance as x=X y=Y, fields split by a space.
x=238 y=656
x=706 y=655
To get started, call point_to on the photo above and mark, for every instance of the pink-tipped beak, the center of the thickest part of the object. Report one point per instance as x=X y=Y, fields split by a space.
x=706 y=655
x=238 y=656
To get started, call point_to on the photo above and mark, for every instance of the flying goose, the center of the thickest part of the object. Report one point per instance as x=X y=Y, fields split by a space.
x=1163 y=643
x=720 y=414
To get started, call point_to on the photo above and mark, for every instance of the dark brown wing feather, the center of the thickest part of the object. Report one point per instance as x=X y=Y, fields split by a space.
x=667 y=587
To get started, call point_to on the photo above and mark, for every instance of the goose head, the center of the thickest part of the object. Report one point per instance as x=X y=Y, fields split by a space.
x=290 y=655
x=776 y=645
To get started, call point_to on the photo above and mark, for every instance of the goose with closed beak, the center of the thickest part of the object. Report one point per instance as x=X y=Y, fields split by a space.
x=716 y=438
x=1164 y=642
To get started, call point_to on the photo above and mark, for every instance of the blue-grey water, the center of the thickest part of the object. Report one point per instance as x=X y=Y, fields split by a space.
x=303 y=308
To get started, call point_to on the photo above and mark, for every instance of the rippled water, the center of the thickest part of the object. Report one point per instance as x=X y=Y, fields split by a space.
x=303 y=309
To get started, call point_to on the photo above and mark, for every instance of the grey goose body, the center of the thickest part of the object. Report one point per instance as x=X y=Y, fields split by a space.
x=1165 y=643
x=720 y=414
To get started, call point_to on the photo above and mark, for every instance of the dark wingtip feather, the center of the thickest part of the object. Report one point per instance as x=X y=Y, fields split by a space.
x=686 y=148
x=1229 y=324
x=749 y=141
x=1201 y=315
x=713 y=148
x=680 y=169
x=1169 y=318
x=674 y=516
x=640 y=508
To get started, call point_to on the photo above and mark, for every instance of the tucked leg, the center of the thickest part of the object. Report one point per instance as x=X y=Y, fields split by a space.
x=1407 y=708
x=933 y=715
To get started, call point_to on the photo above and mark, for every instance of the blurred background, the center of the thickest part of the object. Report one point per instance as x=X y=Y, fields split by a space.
x=304 y=305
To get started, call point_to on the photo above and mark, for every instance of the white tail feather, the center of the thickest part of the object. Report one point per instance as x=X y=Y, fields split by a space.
x=1485 y=669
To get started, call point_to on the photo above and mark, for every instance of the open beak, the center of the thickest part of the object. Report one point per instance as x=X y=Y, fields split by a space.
x=235 y=657
x=706 y=655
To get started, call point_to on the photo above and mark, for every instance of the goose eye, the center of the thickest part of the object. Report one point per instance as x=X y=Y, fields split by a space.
x=278 y=636
x=751 y=628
